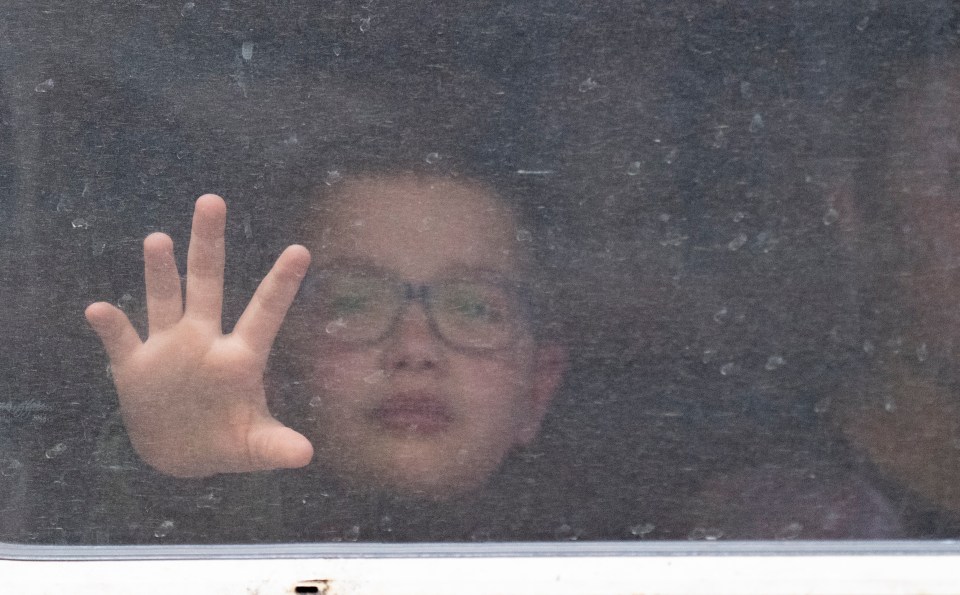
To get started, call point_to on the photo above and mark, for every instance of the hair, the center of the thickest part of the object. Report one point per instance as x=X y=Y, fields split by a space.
x=922 y=106
x=458 y=141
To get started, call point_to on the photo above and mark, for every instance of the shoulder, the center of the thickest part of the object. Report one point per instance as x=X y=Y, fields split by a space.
x=795 y=502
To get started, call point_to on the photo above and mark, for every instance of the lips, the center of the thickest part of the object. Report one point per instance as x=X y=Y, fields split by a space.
x=413 y=412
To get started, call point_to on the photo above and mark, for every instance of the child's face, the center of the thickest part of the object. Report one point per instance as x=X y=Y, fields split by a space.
x=407 y=409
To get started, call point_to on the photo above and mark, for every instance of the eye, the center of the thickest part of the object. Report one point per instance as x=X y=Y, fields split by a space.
x=474 y=307
x=346 y=304
x=352 y=295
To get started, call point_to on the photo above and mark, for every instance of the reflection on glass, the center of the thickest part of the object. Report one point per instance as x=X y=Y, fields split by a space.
x=491 y=271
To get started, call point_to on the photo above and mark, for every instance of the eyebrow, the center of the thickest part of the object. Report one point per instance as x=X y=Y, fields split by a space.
x=453 y=271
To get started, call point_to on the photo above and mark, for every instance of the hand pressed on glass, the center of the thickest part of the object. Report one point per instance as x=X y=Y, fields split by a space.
x=415 y=359
x=192 y=398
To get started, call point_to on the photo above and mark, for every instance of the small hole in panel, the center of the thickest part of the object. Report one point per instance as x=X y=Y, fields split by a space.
x=315 y=586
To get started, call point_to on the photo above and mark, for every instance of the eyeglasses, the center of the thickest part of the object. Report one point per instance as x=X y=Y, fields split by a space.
x=365 y=307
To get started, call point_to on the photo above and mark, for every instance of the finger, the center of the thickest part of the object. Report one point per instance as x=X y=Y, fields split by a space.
x=260 y=322
x=275 y=446
x=113 y=327
x=164 y=297
x=205 y=259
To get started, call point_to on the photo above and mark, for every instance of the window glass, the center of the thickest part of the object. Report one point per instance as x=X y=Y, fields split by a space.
x=559 y=272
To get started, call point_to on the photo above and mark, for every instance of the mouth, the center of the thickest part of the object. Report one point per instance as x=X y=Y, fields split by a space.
x=415 y=412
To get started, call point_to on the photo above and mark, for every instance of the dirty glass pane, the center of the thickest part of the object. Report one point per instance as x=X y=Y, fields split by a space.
x=579 y=271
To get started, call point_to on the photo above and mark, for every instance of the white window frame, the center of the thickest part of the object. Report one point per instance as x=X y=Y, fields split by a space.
x=876 y=568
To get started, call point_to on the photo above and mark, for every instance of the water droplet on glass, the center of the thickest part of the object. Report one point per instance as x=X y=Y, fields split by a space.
x=821 y=406
x=671 y=156
x=55 y=451
x=432 y=158
x=774 y=362
x=756 y=123
x=316 y=402
x=889 y=405
x=333 y=176
x=831 y=216
x=352 y=533
x=163 y=529
x=708 y=355
x=11 y=468
x=720 y=138
x=766 y=241
x=737 y=242
x=664 y=217
x=246 y=50
x=365 y=24
x=524 y=235
x=895 y=344
x=567 y=532
x=45 y=86
x=642 y=530
x=210 y=500
x=634 y=168
x=247 y=226
x=791 y=531
x=922 y=353
x=337 y=50
x=335 y=326
x=721 y=315
x=588 y=84
x=862 y=23
x=482 y=535
x=869 y=347
x=125 y=302
x=80 y=223
x=705 y=534
x=187 y=8
x=727 y=369
x=746 y=89
x=376 y=377
x=739 y=216
x=673 y=239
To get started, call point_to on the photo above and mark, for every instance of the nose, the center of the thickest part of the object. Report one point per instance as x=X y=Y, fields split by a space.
x=413 y=345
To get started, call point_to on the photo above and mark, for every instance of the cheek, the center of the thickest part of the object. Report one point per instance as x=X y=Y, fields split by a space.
x=342 y=377
x=497 y=391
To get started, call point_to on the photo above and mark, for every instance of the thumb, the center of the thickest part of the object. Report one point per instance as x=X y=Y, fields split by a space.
x=272 y=445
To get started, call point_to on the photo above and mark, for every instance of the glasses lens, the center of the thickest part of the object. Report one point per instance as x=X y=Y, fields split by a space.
x=354 y=307
x=476 y=315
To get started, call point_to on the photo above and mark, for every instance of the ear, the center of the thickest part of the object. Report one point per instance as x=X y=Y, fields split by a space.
x=549 y=365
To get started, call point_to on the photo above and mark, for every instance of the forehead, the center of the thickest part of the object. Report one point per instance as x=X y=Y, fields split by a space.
x=419 y=227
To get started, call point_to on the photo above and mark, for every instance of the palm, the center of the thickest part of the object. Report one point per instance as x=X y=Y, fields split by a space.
x=192 y=398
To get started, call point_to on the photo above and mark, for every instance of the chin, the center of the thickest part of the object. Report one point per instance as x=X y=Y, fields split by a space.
x=411 y=472
x=427 y=486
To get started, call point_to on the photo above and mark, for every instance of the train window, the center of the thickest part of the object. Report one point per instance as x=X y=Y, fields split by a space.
x=353 y=275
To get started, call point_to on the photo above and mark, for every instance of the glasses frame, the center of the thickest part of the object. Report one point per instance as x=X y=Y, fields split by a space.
x=410 y=292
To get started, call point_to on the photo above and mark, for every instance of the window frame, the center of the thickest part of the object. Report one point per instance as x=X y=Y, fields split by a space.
x=678 y=567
